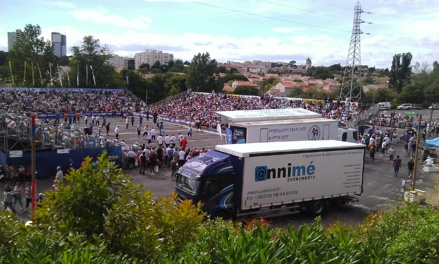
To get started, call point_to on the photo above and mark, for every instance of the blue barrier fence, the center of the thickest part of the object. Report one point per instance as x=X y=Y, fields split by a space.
x=47 y=161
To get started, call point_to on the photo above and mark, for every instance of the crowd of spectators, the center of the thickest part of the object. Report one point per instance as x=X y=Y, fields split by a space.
x=67 y=100
x=202 y=107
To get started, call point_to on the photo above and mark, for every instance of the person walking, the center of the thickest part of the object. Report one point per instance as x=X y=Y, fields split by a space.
x=18 y=195
x=174 y=168
x=396 y=165
x=372 y=150
x=189 y=131
x=152 y=161
x=59 y=175
x=28 y=195
x=391 y=152
x=143 y=163
x=138 y=129
x=8 y=195
x=116 y=131
x=107 y=127
x=410 y=166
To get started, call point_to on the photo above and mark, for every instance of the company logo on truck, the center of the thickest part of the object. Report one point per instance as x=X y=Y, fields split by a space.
x=302 y=172
x=314 y=133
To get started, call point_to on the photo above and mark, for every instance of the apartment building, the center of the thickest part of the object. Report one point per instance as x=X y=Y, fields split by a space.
x=12 y=38
x=150 y=57
x=59 y=44
x=119 y=62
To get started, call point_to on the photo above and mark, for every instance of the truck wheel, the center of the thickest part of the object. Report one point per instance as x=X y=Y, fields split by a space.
x=221 y=214
x=317 y=207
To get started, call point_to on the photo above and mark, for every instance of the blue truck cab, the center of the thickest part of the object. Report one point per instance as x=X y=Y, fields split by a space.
x=210 y=179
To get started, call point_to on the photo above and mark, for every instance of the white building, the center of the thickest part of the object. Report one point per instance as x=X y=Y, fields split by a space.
x=59 y=44
x=119 y=62
x=150 y=57
x=12 y=38
x=308 y=63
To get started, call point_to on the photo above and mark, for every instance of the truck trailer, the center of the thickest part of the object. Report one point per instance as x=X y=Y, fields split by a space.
x=282 y=130
x=243 y=181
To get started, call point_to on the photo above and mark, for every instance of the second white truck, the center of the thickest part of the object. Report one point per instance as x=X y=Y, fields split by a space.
x=268 y=179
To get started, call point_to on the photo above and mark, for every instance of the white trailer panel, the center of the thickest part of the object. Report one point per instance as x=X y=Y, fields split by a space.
x=286 y=130
x=266 y=114
x=288 y=172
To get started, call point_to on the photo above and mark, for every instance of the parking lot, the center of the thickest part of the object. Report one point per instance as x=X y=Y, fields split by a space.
x=381 y=189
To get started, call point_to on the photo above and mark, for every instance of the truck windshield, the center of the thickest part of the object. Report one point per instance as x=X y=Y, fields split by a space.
x=188 y=185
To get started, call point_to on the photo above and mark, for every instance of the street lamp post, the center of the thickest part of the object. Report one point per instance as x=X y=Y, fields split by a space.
x=431 y=117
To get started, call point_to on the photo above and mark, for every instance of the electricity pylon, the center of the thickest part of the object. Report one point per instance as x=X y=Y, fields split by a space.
x=351 y=90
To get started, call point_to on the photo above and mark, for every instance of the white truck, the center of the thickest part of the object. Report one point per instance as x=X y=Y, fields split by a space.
x=282 y=130
x=244 y=181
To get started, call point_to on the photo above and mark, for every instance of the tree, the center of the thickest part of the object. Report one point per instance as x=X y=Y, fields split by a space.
x=246 y=90
x=176 y=66
x=411 y=93
x=144 y=68
x=90 y=58
x=200 y=72
x=322 y=73
x=131 y=65
x=400 y=71
x=103 y=204
x=292 y=63
x=156 y=65
x=30 y=58
x=335 y=68
x=268 y=83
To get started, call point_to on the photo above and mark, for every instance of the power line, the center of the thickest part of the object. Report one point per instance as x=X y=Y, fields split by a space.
x=268 y=17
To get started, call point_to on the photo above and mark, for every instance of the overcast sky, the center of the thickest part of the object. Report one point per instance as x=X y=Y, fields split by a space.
x=238 y=30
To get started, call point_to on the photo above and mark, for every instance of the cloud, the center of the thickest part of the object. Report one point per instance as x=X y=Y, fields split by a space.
x=102 y=17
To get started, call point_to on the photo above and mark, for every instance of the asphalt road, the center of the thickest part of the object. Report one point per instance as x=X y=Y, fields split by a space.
x=381 y=188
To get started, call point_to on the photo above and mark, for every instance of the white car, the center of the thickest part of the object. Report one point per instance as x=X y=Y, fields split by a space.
x=404 y=107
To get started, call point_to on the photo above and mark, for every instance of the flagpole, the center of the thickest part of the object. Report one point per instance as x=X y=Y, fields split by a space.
x=33 y=78
x=93 y=75
x=12 y=76
x=59 y=74
x=24 y=75
x=68 y=78
x=77 y=75
x=41 y=77
x=33 y=165
x=50 y=73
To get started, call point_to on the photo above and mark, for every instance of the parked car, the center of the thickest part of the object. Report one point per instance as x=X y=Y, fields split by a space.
x=404 y=107
x=384 y=105
x=434 y=107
